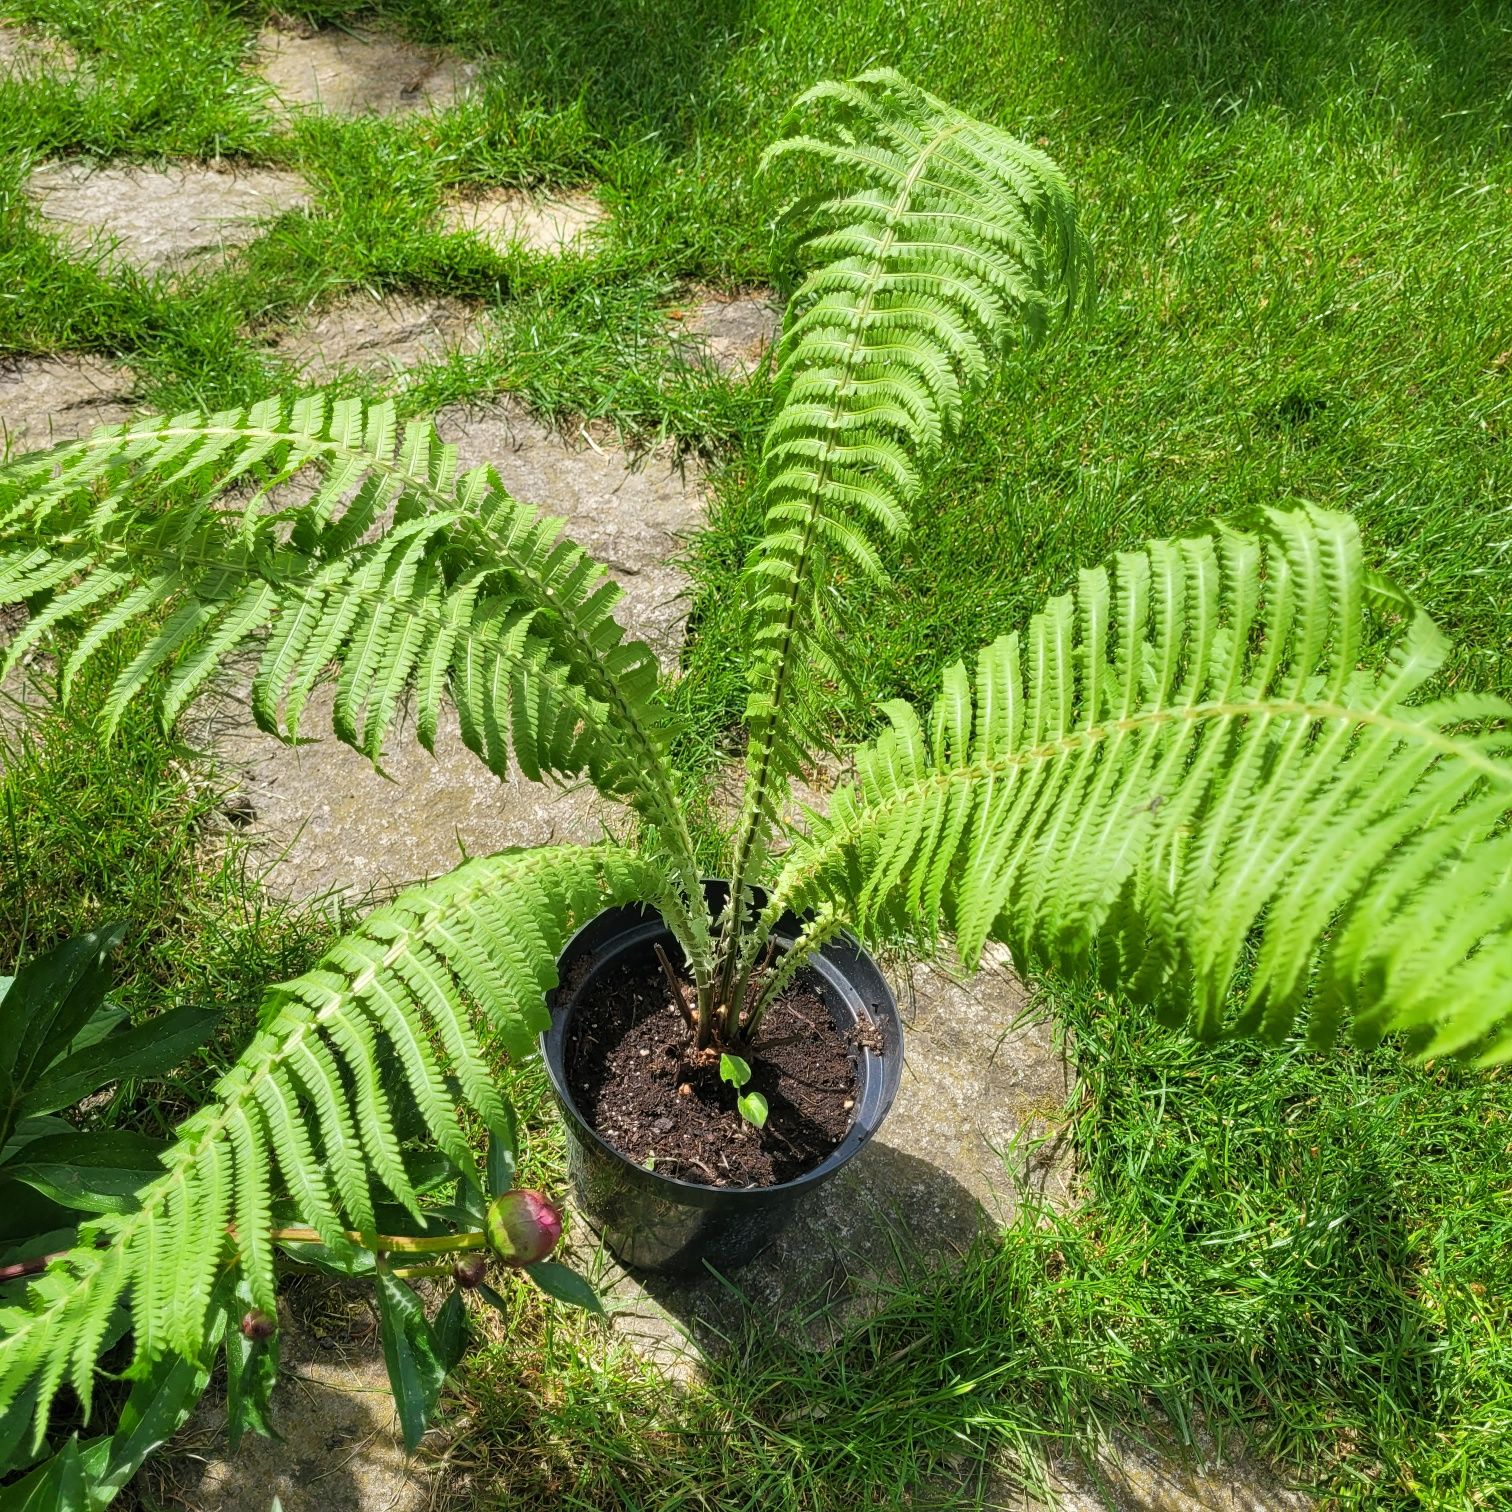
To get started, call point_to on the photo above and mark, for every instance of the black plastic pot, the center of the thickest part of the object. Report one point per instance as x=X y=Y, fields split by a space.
x=654 y=1222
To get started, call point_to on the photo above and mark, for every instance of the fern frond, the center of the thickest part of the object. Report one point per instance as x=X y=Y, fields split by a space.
x=1215 y=765
x=316 y=532
x=949 y=242
x=305 y=1101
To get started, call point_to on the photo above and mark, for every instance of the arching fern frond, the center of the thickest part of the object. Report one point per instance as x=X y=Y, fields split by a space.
x=1214 y=766
x=948 y=242
x=318 y=532
x=425 y=986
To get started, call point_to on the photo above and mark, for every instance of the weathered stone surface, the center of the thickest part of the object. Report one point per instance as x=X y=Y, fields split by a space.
x=1158 y=1476
x=634 y=517
x=177 y=218
x=356 y=71
x=380 y=335
x=326 y=822
x=731 y=332
x=25 y=51
x=340 y=1450
x=971 y=1135
x=44 y=400
x=546 y=222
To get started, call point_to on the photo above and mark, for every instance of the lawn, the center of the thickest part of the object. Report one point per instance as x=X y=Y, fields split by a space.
x=1302 y=224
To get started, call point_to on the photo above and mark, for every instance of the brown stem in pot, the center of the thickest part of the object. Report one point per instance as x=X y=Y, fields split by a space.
x=678 y=995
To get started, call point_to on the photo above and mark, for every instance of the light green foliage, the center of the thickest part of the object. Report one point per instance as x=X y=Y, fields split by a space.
x=734 y=1069
x=422 y=986
x=949 y=242
x=1204 y=769
x=1214 y=765
x=320 y=533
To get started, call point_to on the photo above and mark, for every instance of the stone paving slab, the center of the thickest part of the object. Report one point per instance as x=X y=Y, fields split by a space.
x=325 y=822
x=45 y=400
x=548 y=222
x=733 y=333
x=381 y=335
x=351 y=71
x=25 y=51
x=634 y=515
x=182 y=217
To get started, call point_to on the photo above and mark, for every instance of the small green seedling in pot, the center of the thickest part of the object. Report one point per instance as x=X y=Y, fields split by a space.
x=753 y=1106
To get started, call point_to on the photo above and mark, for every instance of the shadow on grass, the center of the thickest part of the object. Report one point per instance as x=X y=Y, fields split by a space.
x=1442 y=72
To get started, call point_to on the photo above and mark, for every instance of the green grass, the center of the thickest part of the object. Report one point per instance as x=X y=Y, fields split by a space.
x=1302 y=217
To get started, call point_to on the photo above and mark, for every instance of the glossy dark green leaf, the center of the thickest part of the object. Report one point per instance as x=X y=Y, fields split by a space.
x=148 y=1050
x=343 y=1260
x=15 y=1430
x=451 y=1330
x=565 y=1285
x=410 y=1351
x=57 y=1486
x=50 y=999
x=501 y=1165
x=96 y=1172
x=494 y=1300
x=503 y=1150
x=157 y=1408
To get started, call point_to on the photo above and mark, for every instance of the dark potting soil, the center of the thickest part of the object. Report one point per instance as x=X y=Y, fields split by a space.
x=636 y=1078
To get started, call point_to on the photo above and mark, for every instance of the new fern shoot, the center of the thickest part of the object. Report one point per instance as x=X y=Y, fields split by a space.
x=1220 y=771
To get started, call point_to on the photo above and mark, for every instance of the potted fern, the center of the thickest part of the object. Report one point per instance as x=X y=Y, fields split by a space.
x=1214 y=773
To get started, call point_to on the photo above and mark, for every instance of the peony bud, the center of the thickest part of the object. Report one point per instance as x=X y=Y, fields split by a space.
x=523 y=1227
x=257 y=1326
x=469 y=1271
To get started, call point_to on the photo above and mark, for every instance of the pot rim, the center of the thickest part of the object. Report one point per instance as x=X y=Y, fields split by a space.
x=699 y=1193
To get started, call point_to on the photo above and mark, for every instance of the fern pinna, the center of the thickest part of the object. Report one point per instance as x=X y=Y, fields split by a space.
x=1217 y=772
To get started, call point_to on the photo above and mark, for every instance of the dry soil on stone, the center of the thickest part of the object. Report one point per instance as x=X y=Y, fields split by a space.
x=45 y=400
x=162 y=219
x=551 y=223
x=357 y=71
x=380 y=335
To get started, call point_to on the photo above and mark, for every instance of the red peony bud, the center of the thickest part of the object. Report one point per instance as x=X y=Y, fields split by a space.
x=469 y=1271
x=257 y=1326
x=523 y=1227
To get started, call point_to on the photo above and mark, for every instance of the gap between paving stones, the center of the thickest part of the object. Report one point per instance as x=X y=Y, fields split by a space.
x=176 y=219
